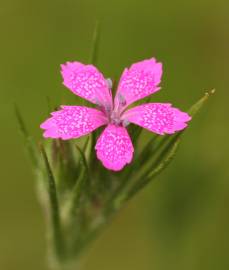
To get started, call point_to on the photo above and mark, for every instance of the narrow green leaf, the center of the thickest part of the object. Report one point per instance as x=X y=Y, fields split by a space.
x=160 y=164
x=136 y=173
x=149 y=162
x=83 y=160
x=168 y=158
x=169 y=147
x=66 y=165
x=85 y=146
x=54 y=207
x=76 y=195
x=75 y=220
x=148 y=153
x=88 y=147
x=150 y=147
x=136 y=134
x=198 y=105
x=95 y=44
x=30 y=145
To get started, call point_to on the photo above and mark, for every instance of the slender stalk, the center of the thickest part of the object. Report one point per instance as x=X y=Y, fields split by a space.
x=28 y=139
x=76 y=194
x=83 y=160
x=54 y=209
x=95 y=44
x=77 y=189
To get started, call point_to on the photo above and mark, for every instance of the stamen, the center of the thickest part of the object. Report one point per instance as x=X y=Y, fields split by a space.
x=125 y=122
x=121 y=99
x=98 y=103
x=107 y=110
x=109 y=83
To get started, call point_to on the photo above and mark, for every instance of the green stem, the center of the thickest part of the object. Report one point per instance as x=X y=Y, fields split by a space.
x=74 y=202
x=28 y=139
x=54 y=209
x=95 y=45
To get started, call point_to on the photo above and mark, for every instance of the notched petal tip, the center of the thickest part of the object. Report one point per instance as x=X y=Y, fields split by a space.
x=72 y=122
x=140 y=80
x=86 y=81
x=160 y=118
x=150 y=66
x=117 y=166
x=51 y=133
x=180 y=119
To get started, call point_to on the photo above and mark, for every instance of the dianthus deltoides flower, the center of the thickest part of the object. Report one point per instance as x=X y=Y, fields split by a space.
x=114 y=147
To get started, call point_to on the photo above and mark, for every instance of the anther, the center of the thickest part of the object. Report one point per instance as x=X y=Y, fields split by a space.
x=125 y=122
x=97 y=102
x=121 y=99
x=109 y=83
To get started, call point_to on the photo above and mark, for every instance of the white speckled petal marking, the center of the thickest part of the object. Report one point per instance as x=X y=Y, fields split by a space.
x=159 y=118
x=87 y=82
x=114 y=147
x=73 y=122
x=140 y=80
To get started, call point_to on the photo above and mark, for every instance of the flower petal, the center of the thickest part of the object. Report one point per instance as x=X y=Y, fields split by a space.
x=114 y=147
x=160 y=118
x=72 y=122
x=139 y=81
x=87 y=82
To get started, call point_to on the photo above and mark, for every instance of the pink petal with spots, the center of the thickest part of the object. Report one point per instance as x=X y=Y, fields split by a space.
x=87 y=82
x=114 y=147
x=140 y=80
x=159 y=118
x=72 y=122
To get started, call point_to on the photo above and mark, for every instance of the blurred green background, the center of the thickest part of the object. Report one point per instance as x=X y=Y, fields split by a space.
x=181 y=221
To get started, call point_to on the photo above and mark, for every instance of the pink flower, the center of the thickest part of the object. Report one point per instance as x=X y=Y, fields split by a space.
x=114 y=147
